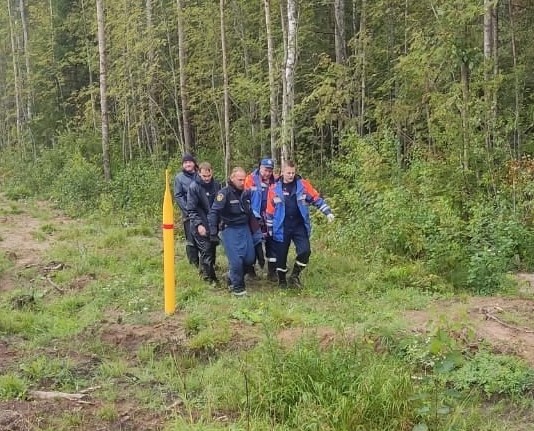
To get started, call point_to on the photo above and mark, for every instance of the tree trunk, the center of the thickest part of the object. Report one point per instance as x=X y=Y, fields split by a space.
x=289 y=71
x=272 y=84
x=283 y=129
x=516 y=144
x=26 y=49
x=363 y=84
x=16 y=76
x=226 y=100
x=339 y=34
x=177 y=125
x=489 y=69
x=153 y=134
x=184 y=94
x=89 y=66
x=103 y=88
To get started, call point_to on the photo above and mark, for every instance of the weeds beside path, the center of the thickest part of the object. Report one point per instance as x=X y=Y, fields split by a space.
x=81 y=313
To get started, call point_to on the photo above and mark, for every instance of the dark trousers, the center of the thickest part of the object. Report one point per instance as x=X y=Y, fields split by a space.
x=207 y=251
x=239 y=248
x=297 y=234
x=270 y=250
x=191 y=249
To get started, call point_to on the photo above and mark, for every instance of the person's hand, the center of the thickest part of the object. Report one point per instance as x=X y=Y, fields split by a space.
x=214 y=239
x=201 y=230
x=330 y=217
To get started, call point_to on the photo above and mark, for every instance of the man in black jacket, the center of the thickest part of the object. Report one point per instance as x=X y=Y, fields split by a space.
x=200 y=197
x=231 y=208
x=181 y=186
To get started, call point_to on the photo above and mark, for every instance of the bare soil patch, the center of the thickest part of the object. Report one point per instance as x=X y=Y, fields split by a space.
x=22 y=241
x=506 y=324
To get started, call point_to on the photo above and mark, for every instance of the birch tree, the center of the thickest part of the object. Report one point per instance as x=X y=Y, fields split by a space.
x=103 y=88
x=182 y=64
x=26 y=51
x=226 y=94
x=288 y=102
x=16 y=74
x=339 y=31
x=272 y=72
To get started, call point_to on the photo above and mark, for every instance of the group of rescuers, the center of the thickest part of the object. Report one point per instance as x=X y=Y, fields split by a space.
x=256 y=216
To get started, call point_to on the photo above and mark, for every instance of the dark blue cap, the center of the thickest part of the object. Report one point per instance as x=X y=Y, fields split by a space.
x=268 y=163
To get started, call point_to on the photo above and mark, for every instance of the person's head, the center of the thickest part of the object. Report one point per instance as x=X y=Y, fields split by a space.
x=237 y=178
x=288 y=171
x=189 y=164
x=266 y=169
x=205 y=172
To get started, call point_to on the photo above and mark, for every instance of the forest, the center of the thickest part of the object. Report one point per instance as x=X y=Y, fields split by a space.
x=415 y=120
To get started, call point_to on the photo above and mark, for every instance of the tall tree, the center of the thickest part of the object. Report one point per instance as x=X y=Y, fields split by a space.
x=103 y=89
x=490 y=67
x=339 y=33
x=26 y=50
x=288 y=101
x=184 y=92
x=16 y=75
x=152 y=126
x=272 y=73
x=226 y=93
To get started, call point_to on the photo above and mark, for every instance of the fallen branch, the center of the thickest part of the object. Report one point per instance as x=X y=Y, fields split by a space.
x=45 y=395
x=54 y=285
x=489 y=316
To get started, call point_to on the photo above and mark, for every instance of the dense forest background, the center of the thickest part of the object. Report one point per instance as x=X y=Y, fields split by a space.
x=415 y=118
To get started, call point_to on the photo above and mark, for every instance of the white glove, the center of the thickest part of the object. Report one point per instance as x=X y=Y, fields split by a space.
x=330 y=217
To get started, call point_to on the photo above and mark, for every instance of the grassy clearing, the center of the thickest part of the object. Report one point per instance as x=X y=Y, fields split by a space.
x=339 y=355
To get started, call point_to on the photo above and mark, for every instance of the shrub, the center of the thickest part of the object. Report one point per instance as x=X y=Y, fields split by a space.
x=494 y=375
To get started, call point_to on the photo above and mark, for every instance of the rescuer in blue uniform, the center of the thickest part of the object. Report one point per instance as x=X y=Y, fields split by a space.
x=258 y=182
x=288 y=220
x=182 y=181
x=200 y=197
x=231 y=209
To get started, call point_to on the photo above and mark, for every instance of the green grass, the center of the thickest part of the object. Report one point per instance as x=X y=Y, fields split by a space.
x=338 y=355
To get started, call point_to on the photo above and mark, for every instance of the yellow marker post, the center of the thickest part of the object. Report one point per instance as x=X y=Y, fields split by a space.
x=168 y=249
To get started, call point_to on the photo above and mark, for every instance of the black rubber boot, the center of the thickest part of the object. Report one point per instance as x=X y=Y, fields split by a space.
x=271 y=272
x=192 y=255
x=294 y=278
x=260 y=257
x=282 y=282
x=250 y=272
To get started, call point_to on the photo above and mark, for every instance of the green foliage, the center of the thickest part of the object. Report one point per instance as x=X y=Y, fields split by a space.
x=136 y=191
x=494 y=375
x=78 y=186
x=418 y=215
x=52 y=372
x=340 y=388
x=12 y=387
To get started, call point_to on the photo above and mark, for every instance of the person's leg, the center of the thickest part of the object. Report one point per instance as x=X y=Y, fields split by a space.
x=270 y=257
x=249 y=251
x=191 y=250
x=207 y=252
x=232 y=240
x=303 y=250
x=257 y=239
x=281 y=249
